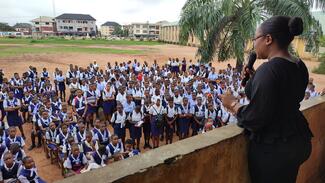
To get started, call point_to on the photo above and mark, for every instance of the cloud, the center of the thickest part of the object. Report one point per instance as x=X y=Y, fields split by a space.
x=122 y=11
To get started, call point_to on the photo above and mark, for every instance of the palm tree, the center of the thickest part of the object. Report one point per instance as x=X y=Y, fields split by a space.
x=224 y=27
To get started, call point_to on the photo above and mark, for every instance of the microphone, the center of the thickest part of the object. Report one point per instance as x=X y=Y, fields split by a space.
x=251 y=61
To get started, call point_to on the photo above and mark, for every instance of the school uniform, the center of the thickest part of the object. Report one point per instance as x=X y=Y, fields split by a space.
x=199 y=114
x=184 y=122
x=112 y=150
x=79 y=137
x=51 y=137
x=79 y=104
x=56 y=107
x=91 y=98
x=103 y=136
x=156 y=128
x=108 y=105
x=171 y=114
x=19 y=92
x=136 y=131
x=87 y=147
x=26 y=100
x=9 y=174
x=44 y=123
x=138 y=93
x=118 y=121
x=29 y=175
x=13 y=117
x=97 y=159
x=61 y=138
x=146 y=119
x=17 y=140
x=121 y=98
x=60 y=82
x=76 y=163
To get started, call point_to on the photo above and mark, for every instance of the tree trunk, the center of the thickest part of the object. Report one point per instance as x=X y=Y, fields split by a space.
x=239 y=65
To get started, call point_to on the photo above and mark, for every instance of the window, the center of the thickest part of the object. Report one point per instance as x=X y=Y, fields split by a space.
x=91 y=29
x=63 y=21
x=144 y=31
x=36 y=23
x=79 y=29
x=137 y=31
x=70 y=28
x=47 y=23
x=137 y=26
x=65 y=27
x=37 y=29
x=86 y=28
x=61 y=27
x=85 y=22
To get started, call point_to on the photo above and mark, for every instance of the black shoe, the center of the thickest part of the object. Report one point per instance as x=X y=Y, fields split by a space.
x=39 y=145
x=149 y=146
x=31 y=147
x=162 y=138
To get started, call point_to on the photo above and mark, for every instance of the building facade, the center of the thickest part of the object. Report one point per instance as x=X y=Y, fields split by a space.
x=76 y=24
x=23 y=28
x=145 y=30
x=170 y=33
x=43 y=26
x=108 y=28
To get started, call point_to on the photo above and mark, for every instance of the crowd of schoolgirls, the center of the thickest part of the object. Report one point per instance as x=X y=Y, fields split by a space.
x=152 y=103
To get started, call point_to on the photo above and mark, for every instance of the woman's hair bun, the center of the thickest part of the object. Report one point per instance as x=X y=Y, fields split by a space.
x=296 y=26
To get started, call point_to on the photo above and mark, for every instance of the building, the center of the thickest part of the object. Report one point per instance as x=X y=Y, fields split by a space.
x=145 y=30
x=43 y=26
x=108 y=28
x=169 y=33
x=76 y=24
x=23 y=28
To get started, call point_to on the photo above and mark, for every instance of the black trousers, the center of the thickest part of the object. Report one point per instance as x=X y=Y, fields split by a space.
x=277 y=162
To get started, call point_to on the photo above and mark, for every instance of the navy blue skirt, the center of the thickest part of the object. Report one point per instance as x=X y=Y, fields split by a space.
x=184 y=124
x=108 y=107
x=135 y=131
x=120 y=132
x=155 y=131
x=61 y=86
x=14 y=119
x=91 y=109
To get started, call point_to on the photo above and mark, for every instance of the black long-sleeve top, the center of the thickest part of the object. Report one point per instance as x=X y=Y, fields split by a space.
x=275 y=93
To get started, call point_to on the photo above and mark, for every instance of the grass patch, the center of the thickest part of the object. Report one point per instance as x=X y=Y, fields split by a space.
x=75 y=42
x=7 y=51
x=321 y=68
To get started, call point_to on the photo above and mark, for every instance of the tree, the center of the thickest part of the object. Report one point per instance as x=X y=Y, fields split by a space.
x=117 y=31
x=6 y=27
x=224 y=27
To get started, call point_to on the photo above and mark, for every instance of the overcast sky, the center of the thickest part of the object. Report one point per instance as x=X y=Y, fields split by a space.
x=121 y=11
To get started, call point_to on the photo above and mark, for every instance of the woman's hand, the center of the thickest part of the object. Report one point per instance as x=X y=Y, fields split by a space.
x=228 y=100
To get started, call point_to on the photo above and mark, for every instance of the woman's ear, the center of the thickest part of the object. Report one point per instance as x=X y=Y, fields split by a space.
x=269 y=39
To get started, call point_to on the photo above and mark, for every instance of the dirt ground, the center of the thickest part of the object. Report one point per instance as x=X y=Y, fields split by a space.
x=161 y=53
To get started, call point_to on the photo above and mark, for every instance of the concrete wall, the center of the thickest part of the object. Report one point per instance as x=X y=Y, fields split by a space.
x=216 y=156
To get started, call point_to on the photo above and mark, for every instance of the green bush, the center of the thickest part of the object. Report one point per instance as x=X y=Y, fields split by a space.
x=321 y=68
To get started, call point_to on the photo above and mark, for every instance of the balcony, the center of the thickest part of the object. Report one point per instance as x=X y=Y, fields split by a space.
x=216 y=156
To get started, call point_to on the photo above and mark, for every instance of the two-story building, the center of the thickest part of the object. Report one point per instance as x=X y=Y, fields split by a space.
x=43 y=26
x=76 y=24
x=145 y=30
x=108 y=28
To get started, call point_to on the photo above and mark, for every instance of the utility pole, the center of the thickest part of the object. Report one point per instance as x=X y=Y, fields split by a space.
x=53 y=6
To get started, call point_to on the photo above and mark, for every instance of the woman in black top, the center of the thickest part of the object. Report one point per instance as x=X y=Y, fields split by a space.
x=280 y=139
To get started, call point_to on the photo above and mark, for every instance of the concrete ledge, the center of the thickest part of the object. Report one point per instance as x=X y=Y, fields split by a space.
x=217 y=155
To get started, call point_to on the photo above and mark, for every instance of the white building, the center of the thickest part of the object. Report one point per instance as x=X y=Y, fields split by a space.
x=76 y=24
